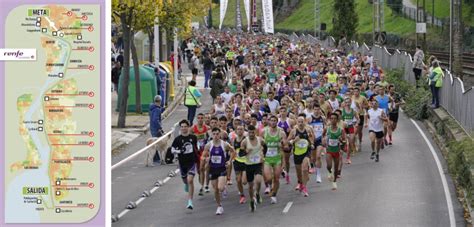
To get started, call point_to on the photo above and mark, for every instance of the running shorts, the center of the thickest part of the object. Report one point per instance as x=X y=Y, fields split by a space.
x=350 y=130
x=187 y=170
x=273 y=161
x=378 y=135
x=393 y=117
x=334 y=154
x=318 y=142
x=252 y=170
x=361 y=120
x=299 y=158
x=239 y=166
x=215 y=173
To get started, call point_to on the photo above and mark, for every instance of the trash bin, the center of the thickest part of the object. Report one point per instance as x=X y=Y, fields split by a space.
x=148 y=88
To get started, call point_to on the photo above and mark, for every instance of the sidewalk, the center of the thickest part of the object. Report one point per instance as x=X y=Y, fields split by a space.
x=137 y=124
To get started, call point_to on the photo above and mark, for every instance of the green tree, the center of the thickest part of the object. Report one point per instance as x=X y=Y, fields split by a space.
x=345 y=19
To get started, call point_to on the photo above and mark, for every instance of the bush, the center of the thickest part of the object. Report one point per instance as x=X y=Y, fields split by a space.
x=416 y=100
x=460 y=162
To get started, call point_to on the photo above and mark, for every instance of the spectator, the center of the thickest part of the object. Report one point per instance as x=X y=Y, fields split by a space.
x=116 y=70
x=418 y=64
x=208 y=66
x=191 y=100
x=436 y=82
x=155 y=117
x=217 y=84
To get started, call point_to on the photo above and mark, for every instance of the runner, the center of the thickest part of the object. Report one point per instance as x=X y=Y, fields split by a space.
x=334 y=137
x=316 y=120
x=253 y=146
x=393 y=115
x=361 y=106
x=285 y=124
x=200 y=131
x=239 y=162
x=377 y=117
x=350 y=117
x=303 y=140
x=275 y=139
x=385 y=102
x=185 y=146
x=215 y=154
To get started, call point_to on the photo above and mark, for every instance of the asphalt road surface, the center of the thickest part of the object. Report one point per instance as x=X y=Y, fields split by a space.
x=403 y=189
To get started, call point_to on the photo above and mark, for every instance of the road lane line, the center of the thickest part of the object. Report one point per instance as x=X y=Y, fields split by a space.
x=287 y=207
x=452 y=218
x=140 y=200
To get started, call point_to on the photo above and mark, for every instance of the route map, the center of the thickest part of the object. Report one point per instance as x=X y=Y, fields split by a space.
x=52 y=117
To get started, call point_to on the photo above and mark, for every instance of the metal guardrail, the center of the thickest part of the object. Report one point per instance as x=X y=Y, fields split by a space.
x=173 y=132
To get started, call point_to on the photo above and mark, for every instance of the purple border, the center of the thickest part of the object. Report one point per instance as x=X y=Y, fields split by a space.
x=5 y=7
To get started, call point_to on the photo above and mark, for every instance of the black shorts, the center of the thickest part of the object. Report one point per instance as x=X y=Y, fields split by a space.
x=378 y=135
x=299 y=158
x=361 y=120
x=215 y=173
x=239 y=166
x=393 y=117
x=194 y=71
x=187 y=170
x=252 y=170
x=230 y=62
x=318 y=142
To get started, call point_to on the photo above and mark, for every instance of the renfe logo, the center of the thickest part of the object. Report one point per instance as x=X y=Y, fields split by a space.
x=17 y=54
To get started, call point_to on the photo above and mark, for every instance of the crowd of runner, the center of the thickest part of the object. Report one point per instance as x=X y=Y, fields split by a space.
x=282 y=99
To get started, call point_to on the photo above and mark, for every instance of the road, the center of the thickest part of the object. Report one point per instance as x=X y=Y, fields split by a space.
x=403 y=189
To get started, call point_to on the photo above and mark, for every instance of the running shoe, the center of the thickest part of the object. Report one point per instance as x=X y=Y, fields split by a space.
x=372 y=156
x=190 y=204
x=385 y=141
x=287 y=178
x=224 y=193
x=382 y=146
x=220 y=210
x=312 y=170
x=229 y=182
x=267 y=190
x=259 y=199
x=390 y=143
x=206 y=189
x=253 y=206
x=348 y=161
x=330 y=177
x=283 y=174
x=318 y=178
x=298 y=187
x=273 y=200
x=304 y=191
x=334 y=186
x=377 y=158
x=186 y=188
x=242 y=199
x=201 y=192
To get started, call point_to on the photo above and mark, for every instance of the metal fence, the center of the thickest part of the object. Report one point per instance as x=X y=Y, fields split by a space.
x=458 y=101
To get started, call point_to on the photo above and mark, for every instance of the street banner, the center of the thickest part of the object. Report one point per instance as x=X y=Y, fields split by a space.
x=223 y=7
x=238 y=17
x=247 y=13
x=267 y=8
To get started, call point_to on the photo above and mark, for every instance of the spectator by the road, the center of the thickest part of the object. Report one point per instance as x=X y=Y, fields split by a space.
x=120 y=58
x=190 y=50
x=217 y=84
x=183 y=49
x=191 y=100
x=155 y=117
x=208 y=66
x=418 y=64
x=436 y=82
x=116 y=70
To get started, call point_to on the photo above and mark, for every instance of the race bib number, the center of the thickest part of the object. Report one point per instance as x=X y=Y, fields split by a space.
x=272 y=80
x=349 y=121
x=272 y=151
x=318 y=130
x=333 y=142
x=200 y=144
x=216 y=159
x=302 y=143
x=306 y=92
x=255 y=159
x=375 y=75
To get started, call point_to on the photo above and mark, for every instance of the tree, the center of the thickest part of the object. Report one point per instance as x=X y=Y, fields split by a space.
x=345 y=19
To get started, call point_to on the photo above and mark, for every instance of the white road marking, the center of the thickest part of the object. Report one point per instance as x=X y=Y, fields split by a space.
x=287 y=207
x=140 y=200
x=123 y=213
x=452 y=219
x=166 y=179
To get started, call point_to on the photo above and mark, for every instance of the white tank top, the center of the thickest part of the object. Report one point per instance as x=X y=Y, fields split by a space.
x=334 y=104
x=219 y=111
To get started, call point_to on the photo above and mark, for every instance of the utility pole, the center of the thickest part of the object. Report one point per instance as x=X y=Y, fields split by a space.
x=457 y=39
x=379 y=24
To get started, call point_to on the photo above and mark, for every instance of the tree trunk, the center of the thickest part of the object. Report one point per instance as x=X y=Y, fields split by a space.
x=136 y=69
x=126 y=19
x=151 y=37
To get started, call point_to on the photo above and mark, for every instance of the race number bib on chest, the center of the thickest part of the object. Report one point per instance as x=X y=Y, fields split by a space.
x=333 y=142
x=318 y=130
x=302 y=143
x=216 y=159
x=272 y=151
x=255 y=158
